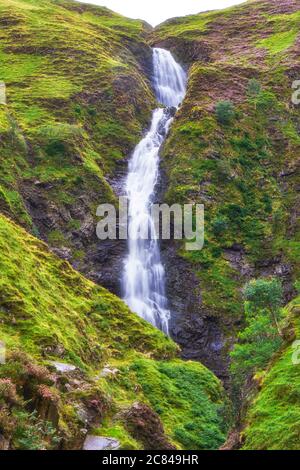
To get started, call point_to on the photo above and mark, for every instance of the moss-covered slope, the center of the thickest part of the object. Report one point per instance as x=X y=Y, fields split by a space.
x=48 y=312
x=235 y=146
x=273 y=420
x=78 y=98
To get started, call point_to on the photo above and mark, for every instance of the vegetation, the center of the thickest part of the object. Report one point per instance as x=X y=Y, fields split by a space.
x=69 y=121
x=225 y=112
x=52 y=310
x=273 y=420
x=262 y=336
x=266 y=295
x=235 y=170
x=65 y=135
x=232 y=148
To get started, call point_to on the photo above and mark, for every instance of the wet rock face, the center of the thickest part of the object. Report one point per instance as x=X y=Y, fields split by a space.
x=104 y=263
x=187 y=51
x=199 y=334
x=145 y=426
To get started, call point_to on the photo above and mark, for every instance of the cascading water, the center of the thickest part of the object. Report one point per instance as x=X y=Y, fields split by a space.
x=144 y=275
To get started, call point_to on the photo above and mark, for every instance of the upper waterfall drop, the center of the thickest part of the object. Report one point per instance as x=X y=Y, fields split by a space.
x=144 y=274
x=169 y=78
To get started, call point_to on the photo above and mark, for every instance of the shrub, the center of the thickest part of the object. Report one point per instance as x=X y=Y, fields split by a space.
x=47 y=393
x=56 y=148
x=266 y=101
x=219 y=225
x=253 y=88
x=257 y=344
x=31 y=433
x=262 y=336
x=7 y=421
x=225 y=112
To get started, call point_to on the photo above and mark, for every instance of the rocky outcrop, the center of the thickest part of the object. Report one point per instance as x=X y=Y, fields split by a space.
x=145 y=426
x=199 y=333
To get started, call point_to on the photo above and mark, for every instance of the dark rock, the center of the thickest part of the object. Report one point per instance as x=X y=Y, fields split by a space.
x=233 y=442
x=63 y=252
x=4 y=443
x=187 y=51
x=47 y=409
x=106 y=259
x=200 y=334
x=145 y=426
x=57 y=350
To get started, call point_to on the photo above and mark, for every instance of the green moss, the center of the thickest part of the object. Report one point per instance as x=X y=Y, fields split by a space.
x=56 y=238
x=58 y=305
x=69 y=119
x=118 y=431
x=195 y=396
x=286 y=29
x=186 y=396
x=51 y=305
x=279 y=42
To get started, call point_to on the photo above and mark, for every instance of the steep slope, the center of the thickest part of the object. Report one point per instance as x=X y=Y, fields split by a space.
x=273 y=419
x=235 y=148
x=127 y=372
x=78 y=99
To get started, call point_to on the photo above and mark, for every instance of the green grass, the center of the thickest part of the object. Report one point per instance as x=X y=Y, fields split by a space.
x=279 y=42
x=67 y=69
x=285 y=32
x=198 y=422
x=60 y=306
x=44 y=304
x=189 y=401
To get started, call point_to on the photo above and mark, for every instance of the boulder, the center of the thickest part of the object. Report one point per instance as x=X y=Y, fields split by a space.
x=100 y=443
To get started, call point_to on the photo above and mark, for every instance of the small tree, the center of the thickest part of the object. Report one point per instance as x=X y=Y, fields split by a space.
x=225 y=112
x=261 y=337
x=265 y=294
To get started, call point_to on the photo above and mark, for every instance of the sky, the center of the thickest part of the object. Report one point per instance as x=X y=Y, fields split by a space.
x=157 y=11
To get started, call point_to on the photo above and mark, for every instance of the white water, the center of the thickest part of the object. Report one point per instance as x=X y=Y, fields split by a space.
x=144 y=274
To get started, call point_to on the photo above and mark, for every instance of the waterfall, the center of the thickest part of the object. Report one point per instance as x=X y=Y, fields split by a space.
x=144 y=274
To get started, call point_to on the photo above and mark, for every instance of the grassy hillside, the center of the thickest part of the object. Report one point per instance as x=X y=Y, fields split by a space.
x=78 y=98
x=273 y=421
x=235 y=148
x=235 y=145
x=48 y=312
